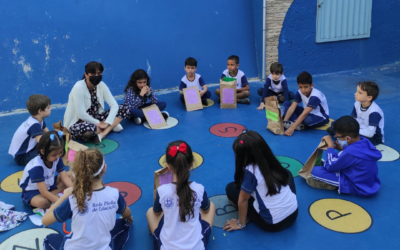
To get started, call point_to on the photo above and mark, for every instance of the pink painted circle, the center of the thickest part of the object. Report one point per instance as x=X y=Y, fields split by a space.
x=227 y=129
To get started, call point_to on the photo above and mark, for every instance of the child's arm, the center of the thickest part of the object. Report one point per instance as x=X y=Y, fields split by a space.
x=152 y=96
x=49 y=217
x=290 y=111
x=181 y=87
x=127 y=215
x=264 y=94
x=157 y=209
x=46 y=193
x=205 y=88
x=285 y=90
x=65 y=178
x=374 y=120
x=299 y=120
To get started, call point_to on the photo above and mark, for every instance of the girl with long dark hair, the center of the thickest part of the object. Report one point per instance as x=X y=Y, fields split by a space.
x=182 y=215
x=263 y=190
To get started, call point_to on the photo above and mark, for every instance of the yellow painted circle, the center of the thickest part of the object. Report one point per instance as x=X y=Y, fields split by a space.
x=11 y=183
x=198 y=160
x=326 y=125
x=340 y=215
x=210 y=103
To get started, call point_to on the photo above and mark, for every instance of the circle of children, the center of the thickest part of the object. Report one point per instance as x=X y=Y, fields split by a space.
x=182 y=215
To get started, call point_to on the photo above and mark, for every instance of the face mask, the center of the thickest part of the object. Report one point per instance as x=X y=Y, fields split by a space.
x=95 y=80
x=343 y=143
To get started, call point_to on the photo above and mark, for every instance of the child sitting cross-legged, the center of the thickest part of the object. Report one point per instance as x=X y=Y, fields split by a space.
x=92 y=207
x=315 y=111
x=40 y=184
x=182 y=215
x=355 y=170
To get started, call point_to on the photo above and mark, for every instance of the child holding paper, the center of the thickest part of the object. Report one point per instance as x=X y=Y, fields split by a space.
x=182 y=215
x=191 y=79
x=137 y=91
x=355 y=170
x=242 y=85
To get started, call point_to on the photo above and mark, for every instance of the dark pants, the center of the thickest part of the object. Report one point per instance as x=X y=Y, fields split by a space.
x=310 y=121
x=119 y=236
x=137 y=112
x=233 y=195
x=271 y=93
x=205 y=96
x=23 y=159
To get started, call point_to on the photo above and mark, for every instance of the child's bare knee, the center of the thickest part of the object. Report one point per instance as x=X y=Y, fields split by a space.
x=217 y=92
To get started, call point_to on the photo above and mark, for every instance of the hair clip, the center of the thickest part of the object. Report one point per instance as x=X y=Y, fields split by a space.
x=244 y=131
x=241 y=142
x=52 y=137
x=60 y=134
x=174 y=149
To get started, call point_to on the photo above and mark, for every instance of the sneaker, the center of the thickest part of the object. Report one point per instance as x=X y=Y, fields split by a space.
x=118 y=128
x=204 y=102
x=165 y=114
x=137 y=120
x=244 y=101
x=97 y=139
x=319 y=184
x=330 y=131
x=288 y=124
x=219 y=100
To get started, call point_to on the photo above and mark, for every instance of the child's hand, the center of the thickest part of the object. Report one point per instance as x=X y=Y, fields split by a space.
x=261 y=107
x=231 y=225
x=68 y=191
x=289 y=131
x=129 y=219
x=328 y=140
x=338 y=146
x=202 y=93
x=102 y=125
x=144 y=90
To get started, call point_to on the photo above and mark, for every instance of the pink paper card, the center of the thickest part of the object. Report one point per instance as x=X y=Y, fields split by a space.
x=71 y=155
x=154 y=117
x=228 y=96
x=166 y=178
x=191 y=96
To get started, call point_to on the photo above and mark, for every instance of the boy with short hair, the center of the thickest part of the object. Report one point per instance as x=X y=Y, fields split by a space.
x=191 y=79
x=368 y=114
x=242 y=85
x=27 y=136
x=315 y=111
x=275 y=85
x=355 y=170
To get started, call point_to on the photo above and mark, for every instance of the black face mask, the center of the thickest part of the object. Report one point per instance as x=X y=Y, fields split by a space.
x=95 y=80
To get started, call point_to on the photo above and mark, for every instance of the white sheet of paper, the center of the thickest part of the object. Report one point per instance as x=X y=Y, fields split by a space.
x=36 y=219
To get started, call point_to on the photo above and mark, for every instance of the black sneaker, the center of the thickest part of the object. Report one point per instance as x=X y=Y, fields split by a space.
x=165 y=115
x=204 y=102
x=219 y=100
x=244 y=101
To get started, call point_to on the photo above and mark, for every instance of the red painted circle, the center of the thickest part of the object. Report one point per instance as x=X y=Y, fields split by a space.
x=128 y=190
x=227 y=129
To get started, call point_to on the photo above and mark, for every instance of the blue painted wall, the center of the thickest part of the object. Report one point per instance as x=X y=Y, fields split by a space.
x=45 y=45
x=298 y=50
x=258 y=32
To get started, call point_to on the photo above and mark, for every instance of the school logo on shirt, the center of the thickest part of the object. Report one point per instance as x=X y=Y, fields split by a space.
x=168 y=202
x=86 y=210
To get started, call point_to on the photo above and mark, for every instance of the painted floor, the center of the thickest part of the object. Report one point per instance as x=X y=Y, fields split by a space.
x=139 y=149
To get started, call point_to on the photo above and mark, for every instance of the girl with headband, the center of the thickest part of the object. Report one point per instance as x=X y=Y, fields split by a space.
x=182 y=215
x=40 y=184
x=92 y=207
x=263 y=190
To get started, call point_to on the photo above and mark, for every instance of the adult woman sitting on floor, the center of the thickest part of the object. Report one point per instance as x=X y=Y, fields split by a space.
x=85 y=116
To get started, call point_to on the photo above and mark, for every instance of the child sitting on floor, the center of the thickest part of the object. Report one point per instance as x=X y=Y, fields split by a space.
x=368 y=114
x=182 y=215
x=92 y=207
x=275 y=85
x=137 y=91
x=27 y=136
x=242 y=85
x=40 y=184
x=315 y=111
x=355 y=170
x=191 y=79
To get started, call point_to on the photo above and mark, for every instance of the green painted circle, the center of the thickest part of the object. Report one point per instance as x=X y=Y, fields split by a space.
x=291 y=164
x=106 y=146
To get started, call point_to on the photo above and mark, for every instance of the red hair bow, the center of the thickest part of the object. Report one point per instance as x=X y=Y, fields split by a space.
x=174 y=149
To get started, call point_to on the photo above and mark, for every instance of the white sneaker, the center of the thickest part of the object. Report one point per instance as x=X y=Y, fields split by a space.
x=288 y=124
x=97 y=139
x=118 y=128
x=137 y=120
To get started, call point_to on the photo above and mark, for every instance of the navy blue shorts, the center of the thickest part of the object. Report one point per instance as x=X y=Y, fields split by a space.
x=28 y=195
x=120 y=235
x=205 y=231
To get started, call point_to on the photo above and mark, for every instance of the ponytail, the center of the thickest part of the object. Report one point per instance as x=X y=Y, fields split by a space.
x=86 y=164
x=181 y=163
